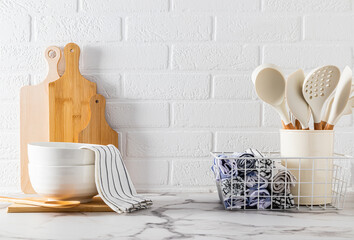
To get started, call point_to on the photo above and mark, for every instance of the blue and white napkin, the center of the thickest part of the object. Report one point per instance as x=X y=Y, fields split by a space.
x=113 y=181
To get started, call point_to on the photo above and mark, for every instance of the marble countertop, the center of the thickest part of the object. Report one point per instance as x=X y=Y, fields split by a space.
x=181 y=216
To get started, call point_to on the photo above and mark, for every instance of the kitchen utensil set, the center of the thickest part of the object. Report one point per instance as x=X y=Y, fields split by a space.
x=58 y=109
x=270 y=87
x=306 y=95
x=341 y=98
x=296 y=101
x=318 y=86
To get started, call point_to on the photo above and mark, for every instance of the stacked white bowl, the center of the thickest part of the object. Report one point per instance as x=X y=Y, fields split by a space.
x=62 y=171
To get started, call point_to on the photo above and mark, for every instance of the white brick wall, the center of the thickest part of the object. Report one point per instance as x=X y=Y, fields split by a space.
x=176 y=74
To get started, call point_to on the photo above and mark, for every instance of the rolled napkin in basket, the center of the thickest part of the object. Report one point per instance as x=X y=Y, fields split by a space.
x=282 y=181
x=224 y=167
x=255 y=181
x=260 y=198
x=113 y=181
x=233 y=192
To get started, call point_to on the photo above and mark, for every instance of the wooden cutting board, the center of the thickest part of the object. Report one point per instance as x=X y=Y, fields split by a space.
x=69 y=100
x=97 y=205
x=98 y=131
x=34 y=114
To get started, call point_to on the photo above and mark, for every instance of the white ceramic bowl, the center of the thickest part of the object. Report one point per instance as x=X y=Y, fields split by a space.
x=71 y=183
x=59 y=154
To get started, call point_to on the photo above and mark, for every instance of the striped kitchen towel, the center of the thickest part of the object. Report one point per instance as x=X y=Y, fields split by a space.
x=113 y=181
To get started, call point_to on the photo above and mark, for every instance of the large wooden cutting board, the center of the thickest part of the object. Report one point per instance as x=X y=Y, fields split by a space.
x=97 y=205
x=34 y=114
x=98 y=131
x=69 y=100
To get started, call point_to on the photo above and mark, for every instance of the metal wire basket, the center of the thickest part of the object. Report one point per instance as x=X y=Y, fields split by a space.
x=272 y=182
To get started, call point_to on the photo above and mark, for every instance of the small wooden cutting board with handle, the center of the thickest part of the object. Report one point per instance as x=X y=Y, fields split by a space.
x=69 y=100
x=98 y=131
x=34 y=114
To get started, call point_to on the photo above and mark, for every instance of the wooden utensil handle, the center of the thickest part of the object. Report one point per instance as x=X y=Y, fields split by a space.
x=287 y=126
x=298 y=124
x=41 y=203
x=323 y=124
x=329 y=127
x=317 y=126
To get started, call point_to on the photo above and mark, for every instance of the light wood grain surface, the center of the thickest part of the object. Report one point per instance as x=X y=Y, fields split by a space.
x=98 y=131
x=69 y=100
x=34 y=114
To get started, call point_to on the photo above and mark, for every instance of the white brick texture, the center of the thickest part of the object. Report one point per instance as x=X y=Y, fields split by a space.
x=241 y=28
x=176 y=74
x=239 y=141
x=130 y=57
x=288 y=56
x=228 y=87
x=148 y=114
x=216 y=5
x=130 y=6
x=168 y=144
x=15 y=28
x=220 y=114
x=312 y=6
x=108 y=85
x=79 y=29
x=141 y=172
x=169 y=28
x=167 y=86
x=214 y=57
x=331 y=28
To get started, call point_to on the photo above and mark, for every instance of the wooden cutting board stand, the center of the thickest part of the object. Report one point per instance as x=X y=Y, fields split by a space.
x=97 y=205
x=66 y=109
x=34 y=114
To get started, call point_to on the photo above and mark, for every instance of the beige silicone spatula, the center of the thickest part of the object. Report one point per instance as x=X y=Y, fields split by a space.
x=270 y=87
x=296 y=101
x=318 y=86
x=341 y=98
x=329 y=106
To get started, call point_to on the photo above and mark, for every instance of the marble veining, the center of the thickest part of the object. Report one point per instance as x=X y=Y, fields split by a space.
x=181 y=216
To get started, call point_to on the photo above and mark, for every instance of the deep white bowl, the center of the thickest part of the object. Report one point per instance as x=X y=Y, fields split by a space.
x=59 y=154
x=71 y=183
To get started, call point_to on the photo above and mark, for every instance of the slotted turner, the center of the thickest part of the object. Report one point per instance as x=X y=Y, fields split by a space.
x=318 y=86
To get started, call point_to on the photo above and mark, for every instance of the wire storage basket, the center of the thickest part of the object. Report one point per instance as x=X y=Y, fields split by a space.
x=267 y=181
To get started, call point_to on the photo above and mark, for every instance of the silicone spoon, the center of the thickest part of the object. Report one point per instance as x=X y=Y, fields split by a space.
x=318 y=86
x=328 y=109
x=270 y=87
x=296 y=101
x=341 y=98
x=41 y=203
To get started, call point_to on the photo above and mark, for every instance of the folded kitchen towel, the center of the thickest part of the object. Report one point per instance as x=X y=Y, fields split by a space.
x=113 y=181
x=282 y=181
x=224 y=167
x=260 y=198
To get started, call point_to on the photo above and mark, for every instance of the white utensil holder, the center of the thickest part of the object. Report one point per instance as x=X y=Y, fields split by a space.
x=314 y=166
